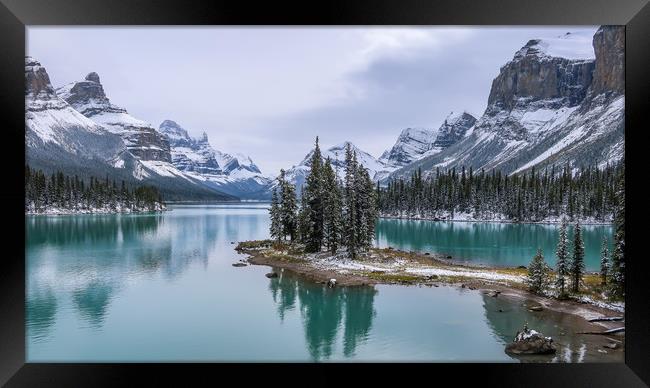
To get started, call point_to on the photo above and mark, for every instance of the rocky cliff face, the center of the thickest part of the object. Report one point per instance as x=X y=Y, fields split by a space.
x=609 y=73
x=453 y=129
x=417 y=143
x=557 y=101
x=58 y=137
x=411 y=144
x=189 y=154
x=142 y=140
x=533 y=75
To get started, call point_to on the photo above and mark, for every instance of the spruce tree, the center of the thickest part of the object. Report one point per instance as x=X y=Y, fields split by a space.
x=578 y=262
x=604 y=262
x=314 y=202
x=276 y=218
x=332 y=214
x=287 y=207
x=562 y=265
x=538 y=274
x=349 y=203
x=617 y=276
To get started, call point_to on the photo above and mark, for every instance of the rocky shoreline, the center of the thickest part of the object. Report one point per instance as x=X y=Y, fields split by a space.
x=390 y=266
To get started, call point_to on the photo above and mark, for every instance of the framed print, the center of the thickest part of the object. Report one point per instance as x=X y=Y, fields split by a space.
x=364 y=188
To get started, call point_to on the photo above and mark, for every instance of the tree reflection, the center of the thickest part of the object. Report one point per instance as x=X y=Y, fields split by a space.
x=359 y=313
x=324 y=311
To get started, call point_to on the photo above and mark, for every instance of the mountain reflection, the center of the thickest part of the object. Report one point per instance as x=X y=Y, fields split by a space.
x=40 y=310
x=324 y=311
x=92 y=302
x=88 y=258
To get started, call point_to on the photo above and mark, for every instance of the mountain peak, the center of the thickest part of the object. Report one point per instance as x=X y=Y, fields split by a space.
x=571 y=45
x=93 y=77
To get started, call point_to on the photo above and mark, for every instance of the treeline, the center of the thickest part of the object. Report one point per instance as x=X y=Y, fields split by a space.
x=532 y=196
x=570 y=267
x=63 y=193
x=331 y=214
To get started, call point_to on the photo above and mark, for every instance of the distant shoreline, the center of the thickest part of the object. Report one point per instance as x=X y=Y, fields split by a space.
x=543 y=222
x=91 y=212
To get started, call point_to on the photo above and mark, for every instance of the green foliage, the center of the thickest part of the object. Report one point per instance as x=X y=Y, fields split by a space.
x=578 y=260
x=529 y=196
x=604 y=262
x=332 y=214
x=617 y=271
x=562 y=265
x=538 y=279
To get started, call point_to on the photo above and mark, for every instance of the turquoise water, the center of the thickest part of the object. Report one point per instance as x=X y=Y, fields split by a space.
x=161 y=287
x=492 y=243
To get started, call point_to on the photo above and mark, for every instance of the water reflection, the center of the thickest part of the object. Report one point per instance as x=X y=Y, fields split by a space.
x=494 y=243
x=505 y=318
x=40 y=310
x=92 y=302
x=87 y=259
x=325 y=311
x=89 y=229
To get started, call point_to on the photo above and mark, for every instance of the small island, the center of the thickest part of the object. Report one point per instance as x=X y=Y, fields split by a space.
x=330 y=241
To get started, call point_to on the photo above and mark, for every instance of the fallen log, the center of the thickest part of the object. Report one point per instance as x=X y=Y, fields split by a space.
x=605 y=319
x=610 y=331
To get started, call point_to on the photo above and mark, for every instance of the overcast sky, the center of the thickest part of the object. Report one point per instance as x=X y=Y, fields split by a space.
x=267 y=92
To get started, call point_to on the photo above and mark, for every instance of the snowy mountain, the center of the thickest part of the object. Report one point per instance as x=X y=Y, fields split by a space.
x=558 y=100
x=236 y=175
x=376 y=168
x=141 y=139
x=417 y=143
x=61 y=138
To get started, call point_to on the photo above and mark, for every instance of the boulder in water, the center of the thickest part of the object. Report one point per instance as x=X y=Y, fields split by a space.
x=531 y=342
x=271 y=275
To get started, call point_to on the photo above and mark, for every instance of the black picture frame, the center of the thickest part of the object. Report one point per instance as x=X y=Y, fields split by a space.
x=15 y=15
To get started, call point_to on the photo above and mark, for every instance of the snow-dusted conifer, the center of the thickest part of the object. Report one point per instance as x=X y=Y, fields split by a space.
x=562 y=265
x=276 y=220
x=578 y=261
x=604 y=262
x=332 y=214
x=538 y=278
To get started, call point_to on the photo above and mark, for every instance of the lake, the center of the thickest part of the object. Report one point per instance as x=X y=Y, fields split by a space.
x=161 y=287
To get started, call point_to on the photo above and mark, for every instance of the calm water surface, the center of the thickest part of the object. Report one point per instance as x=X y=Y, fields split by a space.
x=104 y=288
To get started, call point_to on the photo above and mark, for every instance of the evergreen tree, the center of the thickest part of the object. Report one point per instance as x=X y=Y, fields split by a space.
x=350 y=202
x=276 y=217
x=314 y=202
x=287 y=207
x=617 y=276
x=604 y=262
x=578 y=262
x=333 y=207
x=538 y=278
x=562 y=265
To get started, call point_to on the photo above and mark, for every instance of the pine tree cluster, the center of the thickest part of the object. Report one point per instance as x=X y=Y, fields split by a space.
x=531 y=196
x=72 y=194
x=332 y=214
